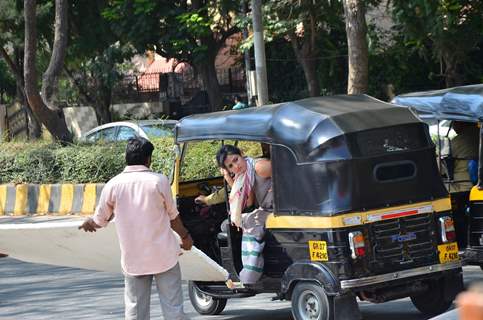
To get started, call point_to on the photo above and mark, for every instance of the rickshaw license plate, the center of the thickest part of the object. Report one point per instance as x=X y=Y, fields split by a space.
x=318 y=251
x=448 y=252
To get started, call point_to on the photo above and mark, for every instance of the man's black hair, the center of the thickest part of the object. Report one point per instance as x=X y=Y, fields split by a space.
x=138 y=151
x=224 y=151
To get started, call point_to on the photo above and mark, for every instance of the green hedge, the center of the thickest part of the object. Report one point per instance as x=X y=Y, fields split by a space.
x=42 y=162
x=79 y=163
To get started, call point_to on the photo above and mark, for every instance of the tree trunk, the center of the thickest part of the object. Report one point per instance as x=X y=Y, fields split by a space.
x=103 y=113
x=452 y=72
x=310 y=71
x=207 y=72
x=356 y=29
x=51 y=116
x=305 y=56
x=51 y=75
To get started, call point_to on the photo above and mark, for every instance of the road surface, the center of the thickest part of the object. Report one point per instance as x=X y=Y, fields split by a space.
x=36 y=292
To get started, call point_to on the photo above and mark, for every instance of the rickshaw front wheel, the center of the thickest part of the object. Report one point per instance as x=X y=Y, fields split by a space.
x=310 y=302
x=203 y=303
x=432 y=302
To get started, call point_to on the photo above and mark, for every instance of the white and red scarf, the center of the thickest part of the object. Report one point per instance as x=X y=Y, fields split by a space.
x=240 y=191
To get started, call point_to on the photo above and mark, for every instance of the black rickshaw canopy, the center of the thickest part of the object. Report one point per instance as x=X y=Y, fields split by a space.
x=332 y=154
x=302 y=125
x=459 y=103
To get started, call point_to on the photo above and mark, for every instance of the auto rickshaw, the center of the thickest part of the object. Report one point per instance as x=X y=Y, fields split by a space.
x=464 y=104
x=359 y=207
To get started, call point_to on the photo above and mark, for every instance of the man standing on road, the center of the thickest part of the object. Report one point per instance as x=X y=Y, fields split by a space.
x=145 y=212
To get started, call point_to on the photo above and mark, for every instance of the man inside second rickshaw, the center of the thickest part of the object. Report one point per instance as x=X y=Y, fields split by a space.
x=251 y=184
x=464 y=152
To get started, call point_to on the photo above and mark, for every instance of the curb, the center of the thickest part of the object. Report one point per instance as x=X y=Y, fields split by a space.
x=53 y=199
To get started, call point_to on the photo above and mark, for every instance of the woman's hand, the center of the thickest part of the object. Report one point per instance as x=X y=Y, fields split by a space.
x=226 y=174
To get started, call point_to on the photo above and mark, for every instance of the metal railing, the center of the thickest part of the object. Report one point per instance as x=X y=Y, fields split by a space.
x=182 y=86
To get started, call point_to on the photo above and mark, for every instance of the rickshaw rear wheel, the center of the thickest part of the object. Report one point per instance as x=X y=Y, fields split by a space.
x=432 y=302
x=203 y=303
x=310 y=302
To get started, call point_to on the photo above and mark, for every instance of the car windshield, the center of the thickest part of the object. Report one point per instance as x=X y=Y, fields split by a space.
x=158 y=130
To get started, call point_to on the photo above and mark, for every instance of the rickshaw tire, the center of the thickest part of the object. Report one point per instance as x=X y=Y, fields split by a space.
x=213 y=306
x=432 y=302
x=304 y=291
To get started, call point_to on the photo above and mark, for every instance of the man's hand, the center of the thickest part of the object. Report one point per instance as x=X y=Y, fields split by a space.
x=89 y=225
x=201 y=199
x=187 y=242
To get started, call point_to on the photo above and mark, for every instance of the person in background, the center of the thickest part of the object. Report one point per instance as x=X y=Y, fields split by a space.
x=238 y=103
x=214 y=198
x=145 y=214
x=463 y=150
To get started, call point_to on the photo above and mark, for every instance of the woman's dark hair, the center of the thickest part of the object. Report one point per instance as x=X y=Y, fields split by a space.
x=237 y=97
x=225 y=151
x=138 y=151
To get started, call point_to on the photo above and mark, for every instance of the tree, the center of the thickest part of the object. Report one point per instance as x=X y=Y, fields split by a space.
x=7 y=84
x=448 y=29
x=44 y=106
x=94 y=57
x=356 y=29
x=11 y=51
x=188 y=31
x=309 y=26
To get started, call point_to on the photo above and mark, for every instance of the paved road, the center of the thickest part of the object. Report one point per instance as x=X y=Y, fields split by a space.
x=36 y=292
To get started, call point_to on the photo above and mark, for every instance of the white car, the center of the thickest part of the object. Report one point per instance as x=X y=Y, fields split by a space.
x=124 y=130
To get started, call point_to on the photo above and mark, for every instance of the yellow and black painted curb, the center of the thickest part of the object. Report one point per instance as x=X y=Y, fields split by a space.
x=52 y=199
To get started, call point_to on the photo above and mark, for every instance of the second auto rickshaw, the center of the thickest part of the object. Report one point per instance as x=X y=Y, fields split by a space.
x=359 y=207
x=461 y=105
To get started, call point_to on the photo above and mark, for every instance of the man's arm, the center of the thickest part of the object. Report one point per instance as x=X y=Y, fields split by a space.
x=212 y=199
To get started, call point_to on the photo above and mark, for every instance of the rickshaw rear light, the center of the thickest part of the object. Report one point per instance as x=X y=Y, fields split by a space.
x=357 y=244
x=448 y=233
x=360 y=252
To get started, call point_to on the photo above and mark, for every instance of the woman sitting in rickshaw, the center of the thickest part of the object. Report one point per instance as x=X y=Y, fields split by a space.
x=251 y=185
